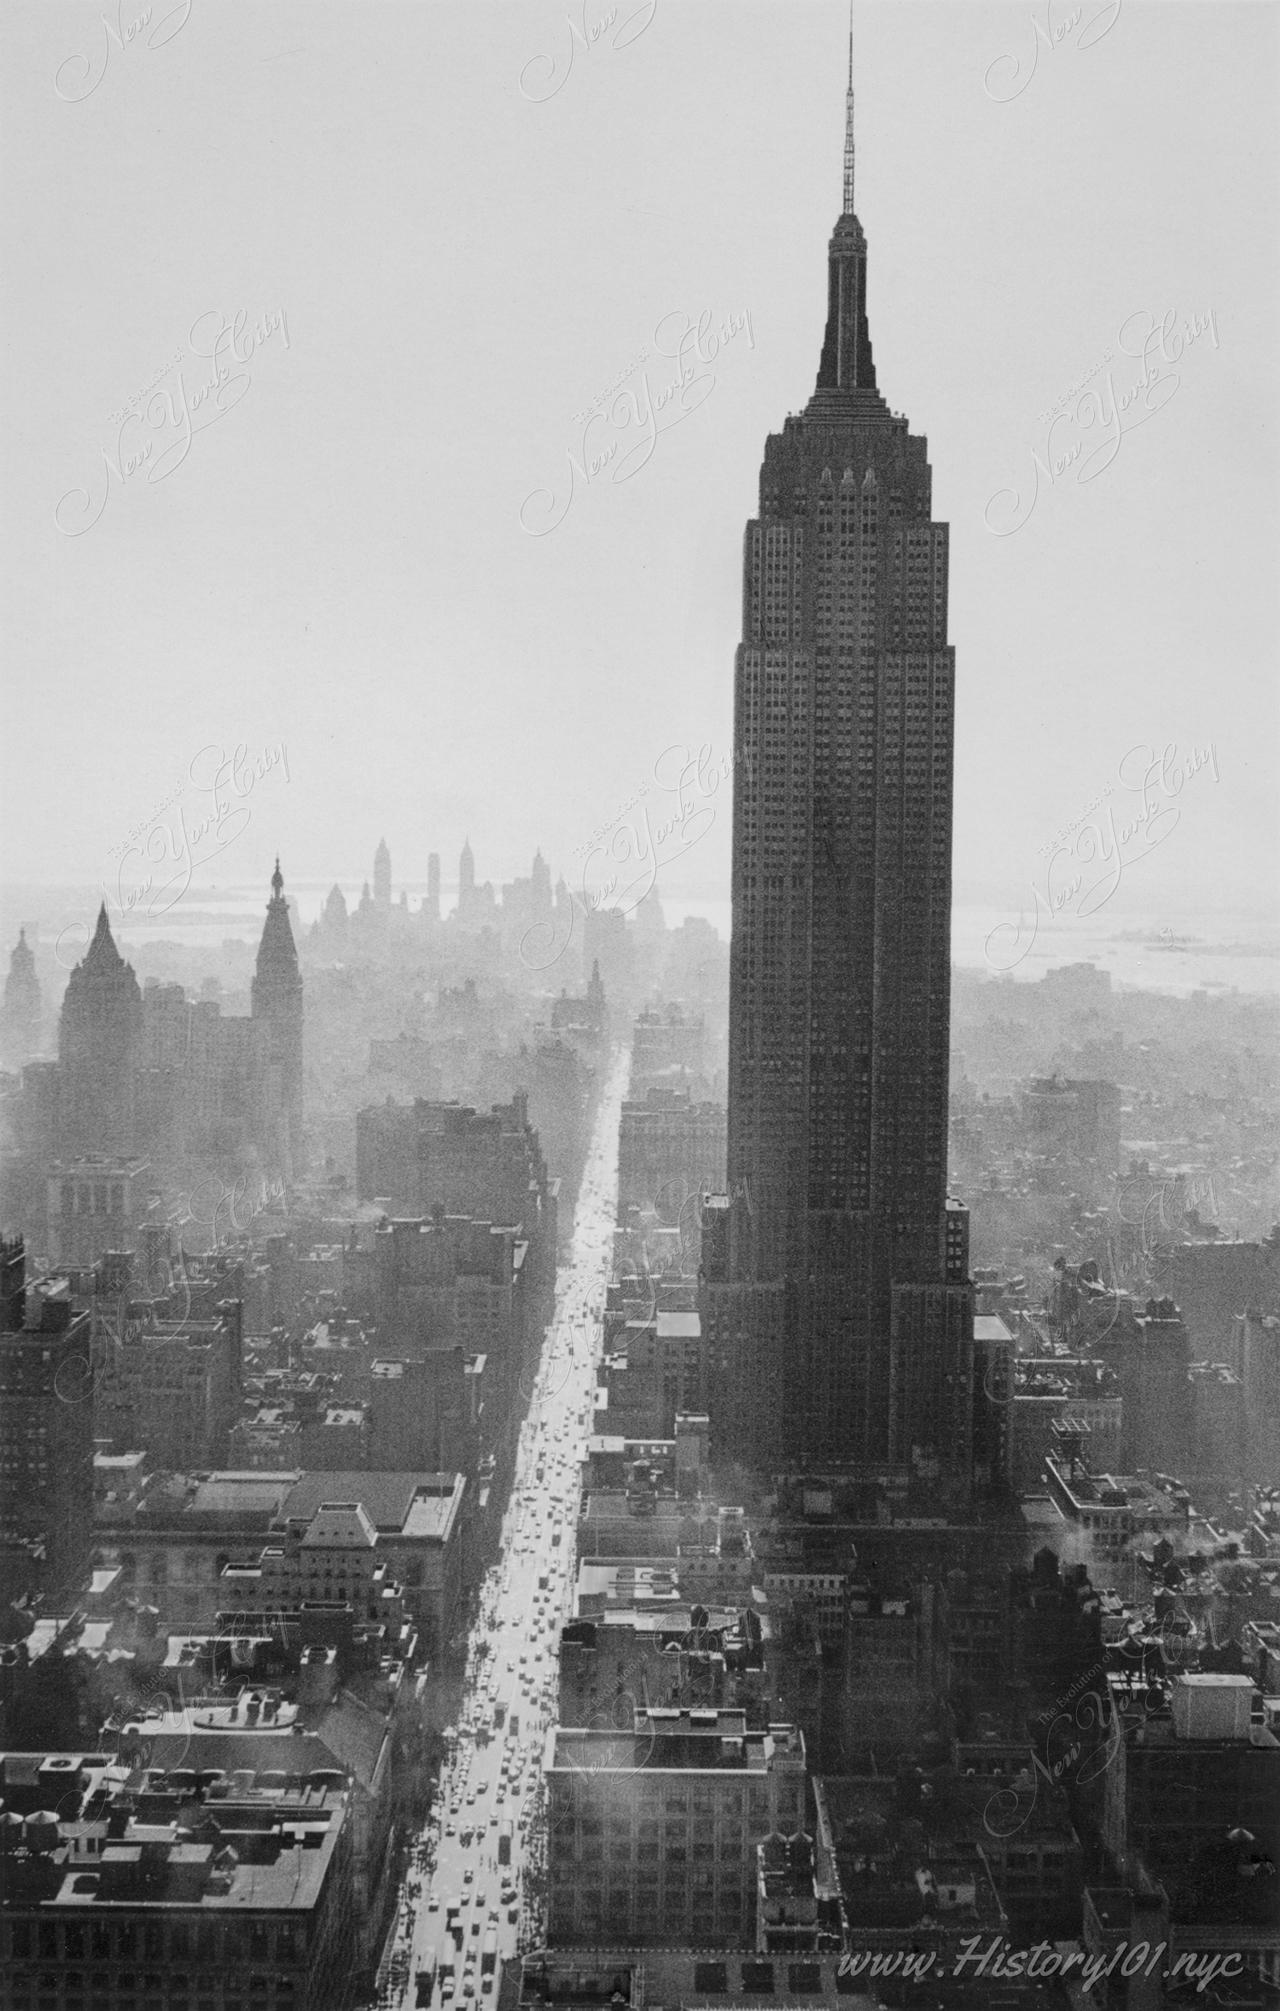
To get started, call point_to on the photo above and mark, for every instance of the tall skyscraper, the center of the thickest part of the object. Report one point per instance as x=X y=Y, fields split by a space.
x=46 y=1435
x=100 y=1048
x=466 y=873
x=22 y=1008
x=276 y=997
x=842 y=1318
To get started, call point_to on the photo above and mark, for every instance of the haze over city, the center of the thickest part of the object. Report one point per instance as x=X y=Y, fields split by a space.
x=639 y=1112
x=451 y=253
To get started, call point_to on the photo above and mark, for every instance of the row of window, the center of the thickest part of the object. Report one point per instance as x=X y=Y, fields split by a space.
x=151 y=1940
x=93 y=1198
x=65 y=1993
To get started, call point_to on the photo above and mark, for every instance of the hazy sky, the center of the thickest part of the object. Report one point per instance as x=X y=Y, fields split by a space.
x=420 y=256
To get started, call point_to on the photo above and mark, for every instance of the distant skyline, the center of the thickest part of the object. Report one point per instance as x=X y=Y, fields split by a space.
x=429 y=265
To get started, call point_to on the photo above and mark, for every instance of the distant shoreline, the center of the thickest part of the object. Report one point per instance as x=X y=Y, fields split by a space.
x=1144 y=952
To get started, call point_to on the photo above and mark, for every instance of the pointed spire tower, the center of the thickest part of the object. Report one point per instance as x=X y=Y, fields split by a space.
x=100 y=1049
x=276 y=998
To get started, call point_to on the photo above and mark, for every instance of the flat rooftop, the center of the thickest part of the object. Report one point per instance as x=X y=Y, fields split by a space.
x=398 y=1504
x=679 y=1327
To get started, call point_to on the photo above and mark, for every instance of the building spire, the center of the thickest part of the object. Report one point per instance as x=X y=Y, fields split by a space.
x=848 y=127
x=845 y=363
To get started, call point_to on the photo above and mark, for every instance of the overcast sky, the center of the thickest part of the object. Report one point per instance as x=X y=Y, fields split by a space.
x=448 y=242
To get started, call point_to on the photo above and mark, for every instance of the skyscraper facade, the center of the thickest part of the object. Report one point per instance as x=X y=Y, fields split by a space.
x=841 y=1283
x=276 y=998
x=23 y=1006
x=100 y=1048
x=46 y=1435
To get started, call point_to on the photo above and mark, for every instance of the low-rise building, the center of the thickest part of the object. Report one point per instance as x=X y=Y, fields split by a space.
x=786 y=1896
x=192 y=1545
x=181 y=1887
x=1046 y=1391
x=652 y=1831
x=1105 y=1514
x=684 y=1656
x=1192 y=1799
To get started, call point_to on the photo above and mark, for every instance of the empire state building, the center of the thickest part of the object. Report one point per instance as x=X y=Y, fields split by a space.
x=835 y=1272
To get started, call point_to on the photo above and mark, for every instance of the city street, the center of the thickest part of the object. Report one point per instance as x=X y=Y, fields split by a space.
x=460 y=1910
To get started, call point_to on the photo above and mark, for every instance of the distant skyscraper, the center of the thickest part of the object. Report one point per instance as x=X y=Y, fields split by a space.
x=382 y=875
x=541 y=878
x=277 y=998
x=466 y=873
x=432 y=903
x=335 y=911
x=100 y=1048
x=838 y=1278
x=20 y=1014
